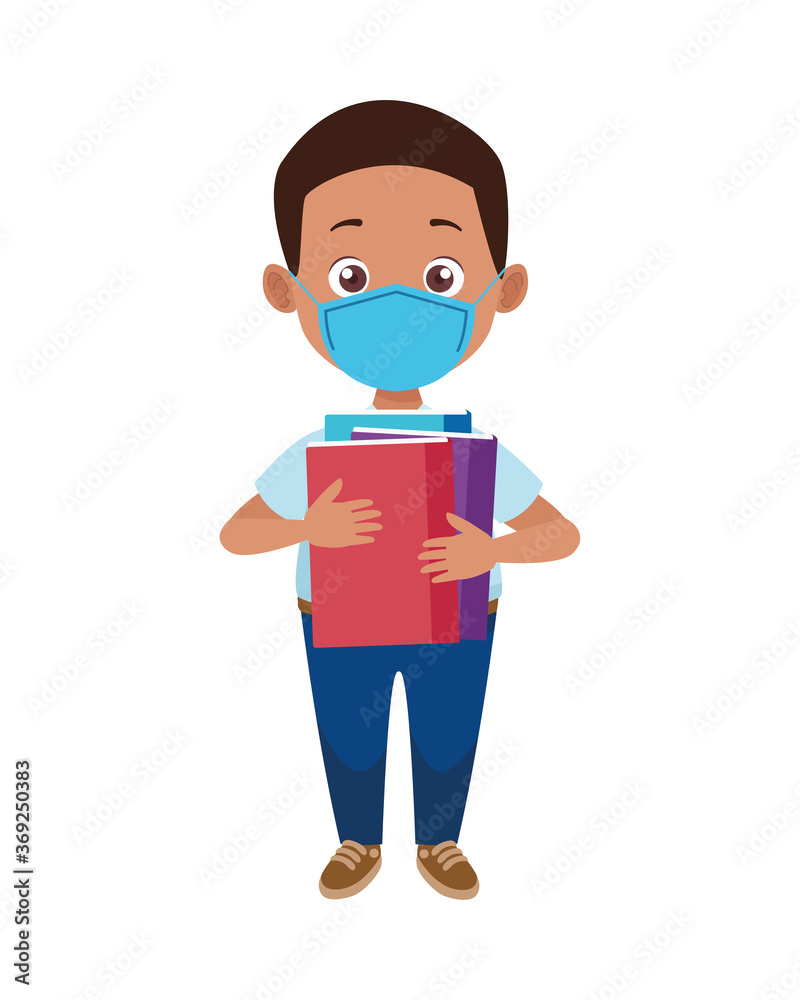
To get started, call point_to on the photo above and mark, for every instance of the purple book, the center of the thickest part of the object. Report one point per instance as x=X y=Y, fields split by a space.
x=474 y=461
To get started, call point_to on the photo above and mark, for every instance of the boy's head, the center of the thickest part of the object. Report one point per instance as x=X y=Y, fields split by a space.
x=390 y=193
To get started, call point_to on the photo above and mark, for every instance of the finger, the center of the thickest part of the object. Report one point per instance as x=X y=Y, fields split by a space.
x=358 y=504
x=438 y=543
x=365 y=515
x=436 y=567
x=444 y=578
x=460 y=523
x=368 y=526
x=362 y=540
x=331 y=492
x=435 y=554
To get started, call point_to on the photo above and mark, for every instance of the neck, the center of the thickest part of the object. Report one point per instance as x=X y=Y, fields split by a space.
x=408 y=399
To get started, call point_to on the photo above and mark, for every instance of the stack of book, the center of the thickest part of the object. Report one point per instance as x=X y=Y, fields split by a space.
x=416 y=467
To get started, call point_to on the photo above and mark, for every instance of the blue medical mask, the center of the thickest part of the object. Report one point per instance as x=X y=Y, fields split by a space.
x=396 y=337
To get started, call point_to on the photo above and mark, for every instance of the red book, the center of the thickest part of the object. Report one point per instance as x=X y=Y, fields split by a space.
x=375 y=595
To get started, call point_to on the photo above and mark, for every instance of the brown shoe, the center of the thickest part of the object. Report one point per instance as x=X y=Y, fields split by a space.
x=445 y=868
x=350 y=870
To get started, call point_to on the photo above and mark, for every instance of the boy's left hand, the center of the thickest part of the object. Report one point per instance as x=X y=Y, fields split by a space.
x=458 y=557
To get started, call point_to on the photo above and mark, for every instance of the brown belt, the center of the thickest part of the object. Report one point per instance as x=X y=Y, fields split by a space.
x=305 y=606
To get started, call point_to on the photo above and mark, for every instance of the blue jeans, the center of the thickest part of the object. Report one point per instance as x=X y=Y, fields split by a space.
x=445 y=686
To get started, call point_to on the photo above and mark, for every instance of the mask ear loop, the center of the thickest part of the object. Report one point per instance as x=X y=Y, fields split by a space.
x=499 y=276
x=300 y=283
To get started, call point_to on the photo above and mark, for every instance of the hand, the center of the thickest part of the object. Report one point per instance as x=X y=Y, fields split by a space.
x=334 y=525
x=459 y=557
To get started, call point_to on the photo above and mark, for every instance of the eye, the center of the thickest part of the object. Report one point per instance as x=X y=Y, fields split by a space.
x=348 y=276
x=444 y=276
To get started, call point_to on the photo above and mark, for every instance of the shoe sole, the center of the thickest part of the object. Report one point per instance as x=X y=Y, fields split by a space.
x=444 y=889
x=351 y=890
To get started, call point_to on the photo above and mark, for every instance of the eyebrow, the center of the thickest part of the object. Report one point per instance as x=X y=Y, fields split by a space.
x=347 y=222
x=445 y=222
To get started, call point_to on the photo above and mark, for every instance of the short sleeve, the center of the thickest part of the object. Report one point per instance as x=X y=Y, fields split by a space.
x=283 y=485
x=515 y=486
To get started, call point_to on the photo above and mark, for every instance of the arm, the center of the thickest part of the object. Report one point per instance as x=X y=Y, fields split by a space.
x=540 y=534
x=255 y=527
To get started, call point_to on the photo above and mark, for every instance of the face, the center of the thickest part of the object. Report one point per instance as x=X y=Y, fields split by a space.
x=371 y=228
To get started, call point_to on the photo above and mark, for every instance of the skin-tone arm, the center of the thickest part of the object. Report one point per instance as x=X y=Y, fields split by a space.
x=541 y=534
x=255 y=527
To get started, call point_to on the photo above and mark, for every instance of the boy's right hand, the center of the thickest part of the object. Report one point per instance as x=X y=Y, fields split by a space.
x=334 y=524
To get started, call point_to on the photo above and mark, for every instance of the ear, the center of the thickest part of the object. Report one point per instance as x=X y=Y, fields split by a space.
x=513 y=288
x=278 y=288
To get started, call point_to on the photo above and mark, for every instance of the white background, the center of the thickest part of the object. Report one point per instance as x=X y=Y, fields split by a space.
x=696 y=104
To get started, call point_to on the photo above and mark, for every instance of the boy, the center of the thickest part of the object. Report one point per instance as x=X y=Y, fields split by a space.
x=393 y=219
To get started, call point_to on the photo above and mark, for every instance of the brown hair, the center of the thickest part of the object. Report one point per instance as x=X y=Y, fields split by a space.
x=390 y=133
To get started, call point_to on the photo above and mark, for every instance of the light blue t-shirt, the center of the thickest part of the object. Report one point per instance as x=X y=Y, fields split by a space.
x=283 y=488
